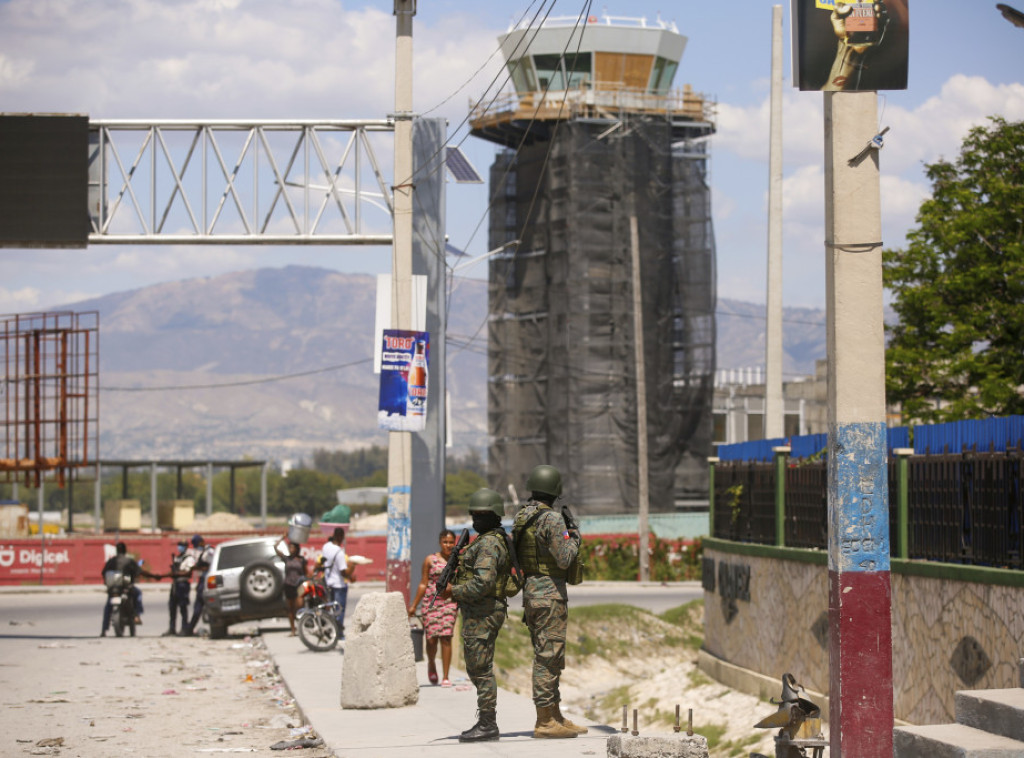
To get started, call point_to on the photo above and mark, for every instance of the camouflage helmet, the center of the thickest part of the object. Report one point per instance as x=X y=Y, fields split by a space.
x=486 y=500
x=545 y=480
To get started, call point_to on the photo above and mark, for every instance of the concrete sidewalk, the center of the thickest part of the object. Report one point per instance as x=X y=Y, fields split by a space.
x=433 y=724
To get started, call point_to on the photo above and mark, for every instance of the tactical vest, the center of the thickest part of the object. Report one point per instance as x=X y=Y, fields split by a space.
x=176 y=567
x=464 y=573
x=532 y=558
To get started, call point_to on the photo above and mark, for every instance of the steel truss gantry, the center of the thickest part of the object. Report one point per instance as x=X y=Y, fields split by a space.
x=295 y=182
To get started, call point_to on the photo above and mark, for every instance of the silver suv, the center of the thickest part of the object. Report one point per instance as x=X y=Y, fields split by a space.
x=244 y=583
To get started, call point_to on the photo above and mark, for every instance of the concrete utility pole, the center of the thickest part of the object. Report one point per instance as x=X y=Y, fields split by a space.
x=643 y=487
x=400 y=443
x=860 y=596
x=774 y=410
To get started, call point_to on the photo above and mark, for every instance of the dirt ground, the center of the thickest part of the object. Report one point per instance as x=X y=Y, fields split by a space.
x=639 y=661
x=147 y=697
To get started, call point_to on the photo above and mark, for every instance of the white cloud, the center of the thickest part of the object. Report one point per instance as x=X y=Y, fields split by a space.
x=258 y=58
x=31 y=299
x=743 y=130
x=936 y=128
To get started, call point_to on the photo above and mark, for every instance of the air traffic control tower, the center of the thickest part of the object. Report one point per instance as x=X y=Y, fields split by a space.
x=595 y=135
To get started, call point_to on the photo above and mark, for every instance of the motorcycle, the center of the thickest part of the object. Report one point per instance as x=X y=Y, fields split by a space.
x=121 y=594
x=317 y=619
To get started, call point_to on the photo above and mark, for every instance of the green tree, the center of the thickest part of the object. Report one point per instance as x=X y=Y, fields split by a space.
x=958 y=287
x=459 y=486
x=357 y=466
x=311 y=492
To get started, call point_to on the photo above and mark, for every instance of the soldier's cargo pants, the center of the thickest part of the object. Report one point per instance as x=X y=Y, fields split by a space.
x=548 y=619
x=479 y=632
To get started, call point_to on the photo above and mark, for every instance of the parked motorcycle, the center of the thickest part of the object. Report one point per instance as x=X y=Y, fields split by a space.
x=121 y=591
x=317 y=619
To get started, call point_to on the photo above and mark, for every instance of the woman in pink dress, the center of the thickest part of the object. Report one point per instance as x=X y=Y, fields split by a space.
x=438 y=621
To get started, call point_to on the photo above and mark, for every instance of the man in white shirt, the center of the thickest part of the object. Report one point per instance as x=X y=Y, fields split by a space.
x=337 y=573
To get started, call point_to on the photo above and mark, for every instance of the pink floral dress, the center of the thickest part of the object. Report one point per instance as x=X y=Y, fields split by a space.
x=438 y=621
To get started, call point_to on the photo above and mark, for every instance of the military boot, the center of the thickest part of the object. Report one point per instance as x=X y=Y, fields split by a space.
x=568 y=724
x=547 y=727
x=484 y=730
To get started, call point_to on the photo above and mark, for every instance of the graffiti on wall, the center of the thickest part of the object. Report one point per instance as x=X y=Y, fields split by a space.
x=732 y=581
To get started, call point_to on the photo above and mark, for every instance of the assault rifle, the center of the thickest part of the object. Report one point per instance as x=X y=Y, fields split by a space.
x=571 y=523
x=448 y=572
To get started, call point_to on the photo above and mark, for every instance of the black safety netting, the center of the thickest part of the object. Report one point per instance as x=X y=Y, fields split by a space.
x=561 y=360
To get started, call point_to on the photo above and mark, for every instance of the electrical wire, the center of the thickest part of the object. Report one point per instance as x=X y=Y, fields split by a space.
x=224 y=385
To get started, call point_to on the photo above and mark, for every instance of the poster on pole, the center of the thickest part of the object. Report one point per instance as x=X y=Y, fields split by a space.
x=405 y=358
x=852 y=47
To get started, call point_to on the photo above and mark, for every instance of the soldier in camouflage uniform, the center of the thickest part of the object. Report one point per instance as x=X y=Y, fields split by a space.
x=545 y=548
x=479 y=589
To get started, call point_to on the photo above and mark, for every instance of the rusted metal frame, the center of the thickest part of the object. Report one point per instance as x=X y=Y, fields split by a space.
x=62 y=406
x=32 y=353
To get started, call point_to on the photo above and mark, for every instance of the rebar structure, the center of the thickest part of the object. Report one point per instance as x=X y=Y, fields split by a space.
x=49 y=395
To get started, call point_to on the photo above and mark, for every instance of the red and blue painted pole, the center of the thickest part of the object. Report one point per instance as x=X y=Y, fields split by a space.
x=860 y=594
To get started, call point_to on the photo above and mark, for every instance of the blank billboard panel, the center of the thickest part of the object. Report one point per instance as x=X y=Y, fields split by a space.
x=44 y=181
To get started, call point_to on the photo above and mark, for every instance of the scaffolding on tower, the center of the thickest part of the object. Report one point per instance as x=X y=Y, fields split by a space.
x=593 y=136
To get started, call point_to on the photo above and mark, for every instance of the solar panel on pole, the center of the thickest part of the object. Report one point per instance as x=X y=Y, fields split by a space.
x=460 y=167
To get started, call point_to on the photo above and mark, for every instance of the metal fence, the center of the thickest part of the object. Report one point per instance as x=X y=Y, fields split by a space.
x=959 y=508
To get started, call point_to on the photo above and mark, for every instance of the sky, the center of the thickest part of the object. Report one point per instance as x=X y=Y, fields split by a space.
x=309 y=59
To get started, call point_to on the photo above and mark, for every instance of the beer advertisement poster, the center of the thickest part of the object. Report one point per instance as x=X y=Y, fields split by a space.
x=850 y=47
x=405 y=357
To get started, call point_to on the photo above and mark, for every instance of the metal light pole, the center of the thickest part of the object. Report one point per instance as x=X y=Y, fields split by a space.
x=400 y=443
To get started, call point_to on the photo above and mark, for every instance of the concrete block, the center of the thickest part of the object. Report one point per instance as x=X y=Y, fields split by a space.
x=379 y=670
x=997 y=711
x=122 y=515
x=674 y=746
x=952 y=741
x=175 y=514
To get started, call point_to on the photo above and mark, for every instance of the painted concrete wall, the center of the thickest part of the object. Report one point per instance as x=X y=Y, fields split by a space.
x=948 y=634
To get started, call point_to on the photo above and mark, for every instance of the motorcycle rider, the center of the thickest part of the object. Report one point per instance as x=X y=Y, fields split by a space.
x=128 y=566
x=203 y=556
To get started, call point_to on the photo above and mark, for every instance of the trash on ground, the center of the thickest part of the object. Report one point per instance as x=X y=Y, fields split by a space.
x=292 y=744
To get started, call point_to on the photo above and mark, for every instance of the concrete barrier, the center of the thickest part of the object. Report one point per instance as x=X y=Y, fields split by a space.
x=379 y=670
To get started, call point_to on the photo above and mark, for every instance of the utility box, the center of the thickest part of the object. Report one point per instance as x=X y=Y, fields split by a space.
x=13 y=519
x=175 y=514
x=122 y=516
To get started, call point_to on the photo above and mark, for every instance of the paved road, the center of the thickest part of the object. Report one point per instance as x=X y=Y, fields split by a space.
x=32 y=617
x=76 y=611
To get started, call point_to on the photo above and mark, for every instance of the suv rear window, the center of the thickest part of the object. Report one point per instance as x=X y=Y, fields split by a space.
x=236 y=556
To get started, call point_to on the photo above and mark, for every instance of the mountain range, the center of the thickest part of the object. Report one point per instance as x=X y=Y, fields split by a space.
x=275 y=363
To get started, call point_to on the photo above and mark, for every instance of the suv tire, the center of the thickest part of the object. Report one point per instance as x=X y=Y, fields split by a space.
x=261 y=583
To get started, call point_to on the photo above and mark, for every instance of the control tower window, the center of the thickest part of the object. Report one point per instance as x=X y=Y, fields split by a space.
x=523 y=77
x=577 y=69
x=662 y=74
x=553 y=71
x=550 y=74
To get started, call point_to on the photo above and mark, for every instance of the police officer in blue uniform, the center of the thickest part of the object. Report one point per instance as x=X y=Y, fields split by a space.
x=182 y=564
